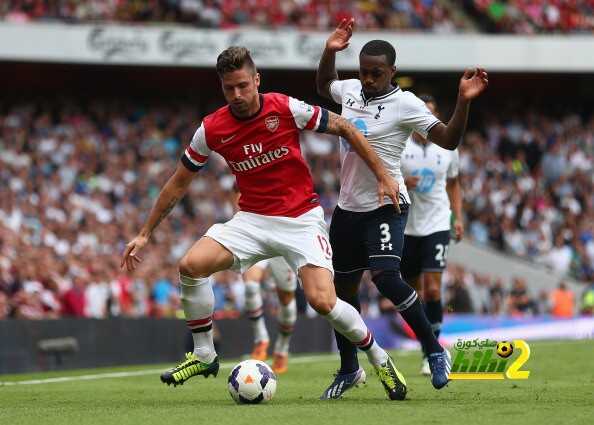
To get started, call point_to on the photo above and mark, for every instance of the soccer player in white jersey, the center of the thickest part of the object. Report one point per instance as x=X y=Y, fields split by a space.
x=258 y=135
x=285 y=282
x=431 y=177
x=364 y=234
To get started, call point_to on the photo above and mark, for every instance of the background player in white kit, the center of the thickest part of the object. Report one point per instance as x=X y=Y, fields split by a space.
x=363 y=234
x=431 y=177
x=258 y=135
x=285 y=283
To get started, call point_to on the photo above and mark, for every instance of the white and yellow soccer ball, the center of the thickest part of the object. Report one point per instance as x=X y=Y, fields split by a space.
x=505 y=349
x=252 y=382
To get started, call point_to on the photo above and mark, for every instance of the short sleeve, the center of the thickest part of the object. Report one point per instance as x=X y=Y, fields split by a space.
x=196 y=154
x=454 y=168
x=415 y=115
x=308 y=117
x=336 y=90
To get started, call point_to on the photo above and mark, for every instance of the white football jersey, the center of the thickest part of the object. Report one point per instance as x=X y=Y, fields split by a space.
x=387 y=122
x=430 y=209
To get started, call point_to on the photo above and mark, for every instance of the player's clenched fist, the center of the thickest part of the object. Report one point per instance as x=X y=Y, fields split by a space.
x=130 y=257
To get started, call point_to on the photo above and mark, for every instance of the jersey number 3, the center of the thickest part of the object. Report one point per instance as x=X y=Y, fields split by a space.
x=385 y=233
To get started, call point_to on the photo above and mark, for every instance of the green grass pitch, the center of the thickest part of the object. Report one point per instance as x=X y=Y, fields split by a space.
x=560 y=390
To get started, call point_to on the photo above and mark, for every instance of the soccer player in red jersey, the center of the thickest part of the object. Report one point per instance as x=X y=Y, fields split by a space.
x=258 y=135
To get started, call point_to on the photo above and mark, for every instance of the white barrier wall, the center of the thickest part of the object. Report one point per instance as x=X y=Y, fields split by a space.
x=182 y=46
x=486 y=260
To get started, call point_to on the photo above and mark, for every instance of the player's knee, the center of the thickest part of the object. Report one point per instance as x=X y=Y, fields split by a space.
x=322 y=304
x=251 y=288
x=432 y=289
x=386 y=278
x=190 y=268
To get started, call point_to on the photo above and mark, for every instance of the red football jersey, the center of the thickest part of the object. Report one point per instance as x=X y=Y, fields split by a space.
x=263 y=153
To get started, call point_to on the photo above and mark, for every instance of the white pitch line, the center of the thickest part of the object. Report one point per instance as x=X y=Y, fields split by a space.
x=109 y=375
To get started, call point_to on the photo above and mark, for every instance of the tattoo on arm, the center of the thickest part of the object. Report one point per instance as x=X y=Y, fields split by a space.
x=339 y=126
x=165 y=212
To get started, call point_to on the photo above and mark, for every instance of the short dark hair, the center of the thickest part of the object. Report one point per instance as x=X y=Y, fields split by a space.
x=233 y=59
x=379 y=48
x=427 y=98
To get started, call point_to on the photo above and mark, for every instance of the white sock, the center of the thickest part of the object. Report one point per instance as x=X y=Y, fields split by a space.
x=287 y=316
x=198 y=302
x=347 y=320
x=254 y=310
x=376 y=354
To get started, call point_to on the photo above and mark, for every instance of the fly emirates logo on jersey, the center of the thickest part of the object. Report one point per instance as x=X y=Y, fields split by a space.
x=257 y=158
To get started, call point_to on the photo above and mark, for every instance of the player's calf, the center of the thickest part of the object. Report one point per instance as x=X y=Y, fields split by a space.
x=407 y=302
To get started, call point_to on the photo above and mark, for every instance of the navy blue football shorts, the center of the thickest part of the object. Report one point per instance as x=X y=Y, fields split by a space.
x=424 y=254
x=370 y=240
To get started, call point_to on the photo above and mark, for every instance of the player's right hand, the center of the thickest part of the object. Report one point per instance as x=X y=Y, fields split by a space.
x=387 y=186
x=130 y=257
x=339 y=39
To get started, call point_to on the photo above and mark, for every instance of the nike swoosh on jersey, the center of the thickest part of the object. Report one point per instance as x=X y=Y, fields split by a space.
x=226 y=139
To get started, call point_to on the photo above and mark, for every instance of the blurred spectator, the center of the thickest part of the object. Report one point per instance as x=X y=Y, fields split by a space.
x=161 y=294
x=229 y=294
x=587 y=307
x=562 y=302
x=74 y=301
x=559 y=257
x=497 y=304
x=519 y=301
x=458 y=298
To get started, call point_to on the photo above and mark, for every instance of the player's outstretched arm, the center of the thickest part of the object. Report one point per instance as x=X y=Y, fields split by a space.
x=387 y=186
x=173 y=191
x=338 y=40
x=472 y=84
x=454 y=190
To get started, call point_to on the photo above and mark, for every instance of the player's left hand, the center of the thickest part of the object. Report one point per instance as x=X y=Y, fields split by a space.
x=458 y=229
x=473 y=83
x=387 y=186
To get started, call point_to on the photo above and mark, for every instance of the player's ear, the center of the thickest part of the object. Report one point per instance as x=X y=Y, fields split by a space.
x=257 y=79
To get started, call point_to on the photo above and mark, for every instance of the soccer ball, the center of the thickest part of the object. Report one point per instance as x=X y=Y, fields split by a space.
x=505 y=349
x=252 y=382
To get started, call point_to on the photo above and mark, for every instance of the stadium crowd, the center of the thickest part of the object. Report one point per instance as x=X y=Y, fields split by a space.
x=533 y=16
x=77 y=180
x=514 y=16
x=409 y=15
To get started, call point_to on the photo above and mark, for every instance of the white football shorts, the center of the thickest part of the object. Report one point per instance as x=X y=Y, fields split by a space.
x=252 y=238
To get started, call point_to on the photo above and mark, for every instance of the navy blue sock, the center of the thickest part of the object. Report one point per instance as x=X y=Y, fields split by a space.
x=406 y=301
x=434 y=311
